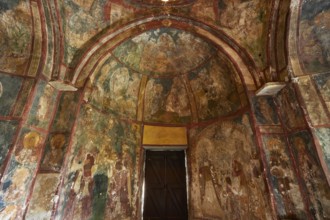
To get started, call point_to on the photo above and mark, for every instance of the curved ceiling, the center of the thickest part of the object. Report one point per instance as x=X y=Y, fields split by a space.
x=166 y=75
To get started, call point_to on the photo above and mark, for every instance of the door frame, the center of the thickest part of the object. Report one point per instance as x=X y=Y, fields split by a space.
x=163 y=148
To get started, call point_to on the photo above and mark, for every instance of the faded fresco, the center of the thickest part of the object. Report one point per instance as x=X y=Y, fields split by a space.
x=16 y=36
x=42 y=200
x=323 y=136
x=43 y=105
x=7 y=133
x=66 y=112
x=25 y=92
x=265 y=110
x=291 y=113
x=166 y=100
x=214 y=88
x=164 y=51
x=322 y=82
x=114 y=89
x=102 y=177
x=9 y=89
x=226 y=178
x=314 y=36
x=311 y=172
x=54 y=152
x=289 y=200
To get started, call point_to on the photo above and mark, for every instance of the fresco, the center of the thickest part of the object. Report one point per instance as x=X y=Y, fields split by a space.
x=323 y=136
x=163 y=51
x=265 y=110
x=311 y=171
x=66 y=112
x=41 y=203
x=10 y=87
x=213 y=86
x=322 y=82
x=289 y=201
x=291 y=113
x=21 y=102
x=314 y=36
x=102 y=169
x=7 y=131
x=43 y=105
x=16 y=36
x=115 y=89
x=166 y=100
x=227 y=180
x=54 y=152
x=316 y=111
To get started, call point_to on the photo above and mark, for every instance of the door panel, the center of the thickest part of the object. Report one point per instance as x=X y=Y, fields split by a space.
x=165 y=185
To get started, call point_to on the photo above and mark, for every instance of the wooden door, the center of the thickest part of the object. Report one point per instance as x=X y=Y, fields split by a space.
x=165 y=185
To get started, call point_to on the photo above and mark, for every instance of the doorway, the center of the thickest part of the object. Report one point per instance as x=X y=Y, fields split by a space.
x=165 y=195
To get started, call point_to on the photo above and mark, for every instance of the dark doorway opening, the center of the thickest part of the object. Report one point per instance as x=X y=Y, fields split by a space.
x=165 y=185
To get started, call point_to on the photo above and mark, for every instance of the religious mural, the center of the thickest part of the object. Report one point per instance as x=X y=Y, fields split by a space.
x=311 y=171
x=7 y=133
x=323 y=135
x=314 y=36
x=289 y=200
x=227 y=180
x=214 y=88
x=22 y=99
x=164 y=51
x=166 y=100
x=114 y=89
x=43 y=105
x=265 y=110
x=291 y=113
x=322 y=82
x=9 y=89
x=42 y=200
x=102 y=169
x=16 y=36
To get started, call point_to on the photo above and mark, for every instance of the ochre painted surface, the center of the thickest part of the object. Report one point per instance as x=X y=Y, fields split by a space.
x=162 y=135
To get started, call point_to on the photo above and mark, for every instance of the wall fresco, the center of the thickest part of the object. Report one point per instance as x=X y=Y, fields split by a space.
x=115 y=89
x=163 y=51
x=43 y=105
x=7 y=131
x=213 y=86
x=322 y=82
x=311 y=171
x=265 y=110
x=10 y=87
x=21 y=102
x=42 y=200
x=167 y=101
x=226 y=178
x=66 y=112
x=314 y=36
x=323 y=136
x=16 y=36
x=289 y=201
x=102 y=169
x=291 y=113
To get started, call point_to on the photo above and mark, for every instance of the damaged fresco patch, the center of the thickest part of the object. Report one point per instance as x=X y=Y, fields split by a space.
x=9 y=89
x=164 y=51
x=314 y=36
x=16 y=36
x=166 y=101
x=114 y=89
x=311 y=172
x=322 y=82
x=323 y=135
x=7 y=131
x=265 y=110
x=227 y=180
x=214 y=88
x=289 y=201
x=42 y=200
x=102 y=169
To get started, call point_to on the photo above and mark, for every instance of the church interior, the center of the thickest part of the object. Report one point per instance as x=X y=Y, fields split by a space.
x=102 y=100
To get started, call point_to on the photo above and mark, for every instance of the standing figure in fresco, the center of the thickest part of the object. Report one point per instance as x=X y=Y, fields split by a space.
x=86 y=187
x=54 y=156
x=43 y=106
x=29 y=152
x=314 y=180
x=208 y=181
